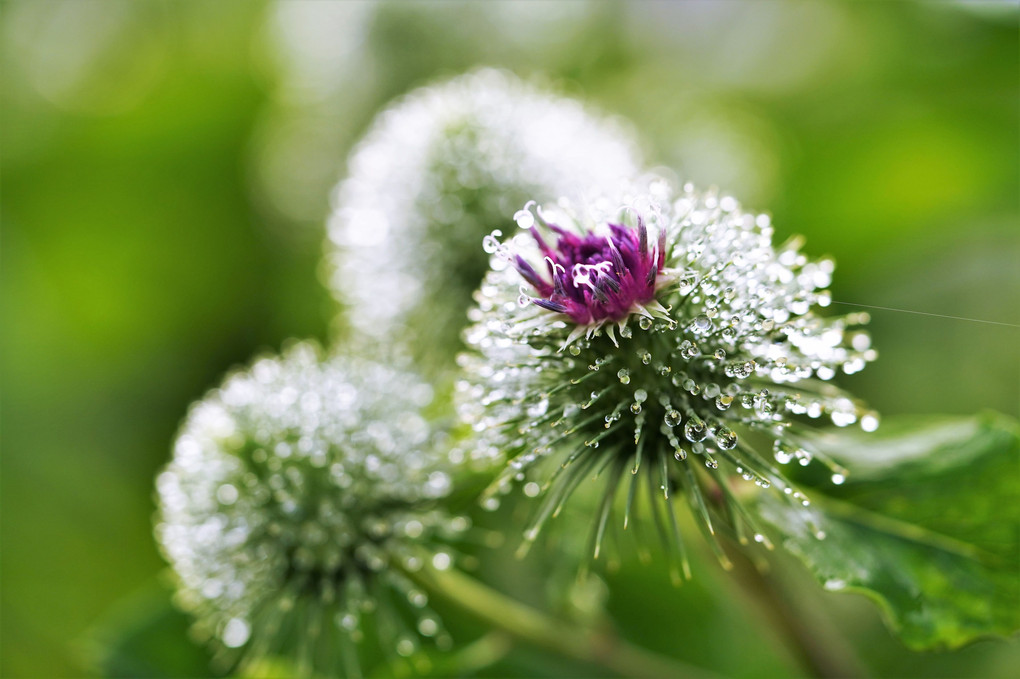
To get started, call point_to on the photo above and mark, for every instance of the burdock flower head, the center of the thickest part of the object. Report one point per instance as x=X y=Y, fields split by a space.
x=299 y=495
x=658 y=338
x=437 y=171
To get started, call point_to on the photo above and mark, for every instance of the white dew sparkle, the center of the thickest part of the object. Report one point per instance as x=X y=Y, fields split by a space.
x=663 y=344
x=300 y=494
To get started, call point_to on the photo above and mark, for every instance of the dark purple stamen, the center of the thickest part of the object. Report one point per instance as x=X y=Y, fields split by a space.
x=529 y=273
x=550 y=305
x=596 y=278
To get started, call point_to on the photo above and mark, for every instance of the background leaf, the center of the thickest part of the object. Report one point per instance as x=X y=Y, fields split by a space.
x=927 y=525
x=146 y=636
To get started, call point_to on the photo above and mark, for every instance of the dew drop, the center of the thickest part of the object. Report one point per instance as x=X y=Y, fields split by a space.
x=688 y=349
x=842 y=418
x=838 y=479
x=645 y=323
x=236 y=633
x=441 y=561
x=417 y=598
x=405 y=647
x=624 y=376
x=724 y=438
x=348 y=621
x=672 y=418
x=701 y=325
x=782 y=453
x=695 y=430
x=428 y=627
x=227 y=494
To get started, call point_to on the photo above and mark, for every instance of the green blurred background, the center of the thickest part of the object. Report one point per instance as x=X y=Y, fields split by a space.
x=166 y=169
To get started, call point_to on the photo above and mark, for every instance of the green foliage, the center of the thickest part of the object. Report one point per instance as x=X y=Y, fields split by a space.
x=146 y=636
x=927 y=524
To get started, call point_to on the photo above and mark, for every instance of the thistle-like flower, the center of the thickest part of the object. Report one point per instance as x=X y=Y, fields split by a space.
x=300 y=494
x=660 y=338
x=440 y=169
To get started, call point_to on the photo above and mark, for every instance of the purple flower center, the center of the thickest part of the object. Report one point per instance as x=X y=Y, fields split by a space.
x=596 y=278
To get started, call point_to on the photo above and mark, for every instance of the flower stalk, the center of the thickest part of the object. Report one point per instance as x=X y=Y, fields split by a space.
x=535 y=628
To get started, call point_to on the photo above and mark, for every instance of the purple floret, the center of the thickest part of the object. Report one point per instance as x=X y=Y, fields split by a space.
x=596 y=278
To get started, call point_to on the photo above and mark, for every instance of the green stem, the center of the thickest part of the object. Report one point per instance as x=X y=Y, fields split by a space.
x=818 y=653
x=534 y=627
x=476 y=656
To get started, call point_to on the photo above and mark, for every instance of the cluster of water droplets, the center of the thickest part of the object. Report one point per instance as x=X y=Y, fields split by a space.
x=439 y=169
x=300 y=495
x=738 y=359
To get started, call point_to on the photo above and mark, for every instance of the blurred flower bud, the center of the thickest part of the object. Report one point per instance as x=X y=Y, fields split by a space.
x=440 y=169
x=300 y=494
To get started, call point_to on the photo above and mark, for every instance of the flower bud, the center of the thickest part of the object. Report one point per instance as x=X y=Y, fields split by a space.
x=655 y=340
x=299 y=494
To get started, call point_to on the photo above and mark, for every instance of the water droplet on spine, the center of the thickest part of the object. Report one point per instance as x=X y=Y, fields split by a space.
x=695 y=430
x=724 y=438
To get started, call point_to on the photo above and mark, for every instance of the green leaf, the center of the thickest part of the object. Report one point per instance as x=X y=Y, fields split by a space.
x=144 y=635
x=927 y=525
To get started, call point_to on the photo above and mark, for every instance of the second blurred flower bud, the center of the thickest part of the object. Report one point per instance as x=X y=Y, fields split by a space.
x=439 y=169
x=300 y=494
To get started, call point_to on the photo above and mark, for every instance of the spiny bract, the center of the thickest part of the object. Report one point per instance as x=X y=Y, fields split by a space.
x=659 y=337
x=300 y=493
x=437 y=171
